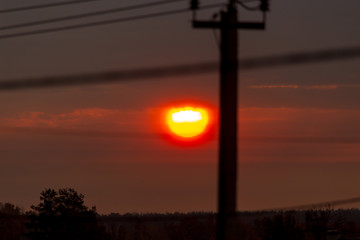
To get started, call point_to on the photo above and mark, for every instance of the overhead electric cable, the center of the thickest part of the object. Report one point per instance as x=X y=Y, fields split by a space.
x=301 y=58
x=241 y=3
x=109 y=76
x=33 y=7
x=86 y=15
x=180 y=70
x=104 y=22
x=317 y=205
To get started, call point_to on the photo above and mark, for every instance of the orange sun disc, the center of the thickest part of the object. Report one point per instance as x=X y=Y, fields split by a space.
x=187 y=122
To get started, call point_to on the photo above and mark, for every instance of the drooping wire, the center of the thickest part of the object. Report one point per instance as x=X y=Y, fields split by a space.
x=104 y=22
x=86 y=15
x=216 y=37
x=40 y=6
x=109 y=76
x=182 y=70
x=316 y=205
x=241 y=3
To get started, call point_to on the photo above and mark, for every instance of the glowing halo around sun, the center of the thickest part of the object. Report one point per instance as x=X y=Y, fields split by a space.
x=187 y=122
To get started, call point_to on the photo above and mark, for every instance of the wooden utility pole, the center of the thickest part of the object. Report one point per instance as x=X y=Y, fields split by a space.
x=227 y=169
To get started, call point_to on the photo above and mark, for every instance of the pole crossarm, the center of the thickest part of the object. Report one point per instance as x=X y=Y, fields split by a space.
x=238 y=25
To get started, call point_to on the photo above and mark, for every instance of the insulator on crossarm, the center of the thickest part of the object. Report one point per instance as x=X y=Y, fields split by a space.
x=194 y=5
x=264 y=6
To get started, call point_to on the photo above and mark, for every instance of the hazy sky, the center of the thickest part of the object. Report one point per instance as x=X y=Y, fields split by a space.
x=299 y=125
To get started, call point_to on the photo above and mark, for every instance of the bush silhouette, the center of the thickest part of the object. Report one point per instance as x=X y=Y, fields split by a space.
x=62 y=215
x=11 y=222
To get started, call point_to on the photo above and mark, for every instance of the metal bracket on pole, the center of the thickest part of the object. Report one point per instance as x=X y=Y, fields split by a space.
x=242 y=25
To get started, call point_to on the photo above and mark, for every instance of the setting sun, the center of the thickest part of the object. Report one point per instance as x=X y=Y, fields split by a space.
x=187 y=122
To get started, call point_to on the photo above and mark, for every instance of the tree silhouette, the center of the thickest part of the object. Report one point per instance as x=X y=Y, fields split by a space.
x=280 y=227
x=62 y=215
x=317 y=223
x=191 y=228
x=11 y=222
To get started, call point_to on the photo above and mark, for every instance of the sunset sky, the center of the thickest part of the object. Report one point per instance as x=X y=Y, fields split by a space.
x=299 y=132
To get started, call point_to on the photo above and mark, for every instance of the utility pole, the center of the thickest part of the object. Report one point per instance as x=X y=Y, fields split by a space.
x=227 y=168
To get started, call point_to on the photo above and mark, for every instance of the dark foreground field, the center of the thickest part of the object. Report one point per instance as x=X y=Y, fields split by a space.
x=324 y=224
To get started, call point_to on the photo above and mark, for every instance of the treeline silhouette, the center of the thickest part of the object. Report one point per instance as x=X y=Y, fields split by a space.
x=314 y=224
x=62 y=215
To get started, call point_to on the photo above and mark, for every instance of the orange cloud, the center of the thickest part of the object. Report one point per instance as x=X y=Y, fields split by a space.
x=322 y=87
x=299 y=122
x=274 y=86
x=91 y=118
x=296 y=125
x=308 y=87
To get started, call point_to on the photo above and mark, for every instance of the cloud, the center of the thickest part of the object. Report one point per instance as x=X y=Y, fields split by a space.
x=281 y=125
x=96 y=133
x=300 y=124
x=306 y=87
x=302 y=140
x=273 y=86
x=89 y=118
x=322 y=87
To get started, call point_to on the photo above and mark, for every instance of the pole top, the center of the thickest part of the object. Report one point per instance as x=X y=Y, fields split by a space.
x=194 y=5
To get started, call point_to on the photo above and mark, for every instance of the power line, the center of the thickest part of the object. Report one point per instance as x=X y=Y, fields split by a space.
x=109 y=76
x=301 y=58
x=33 y=7
x=316 y=205
x=86 y=15
x=241 y=3
x=104 y=22
x=180 y=70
